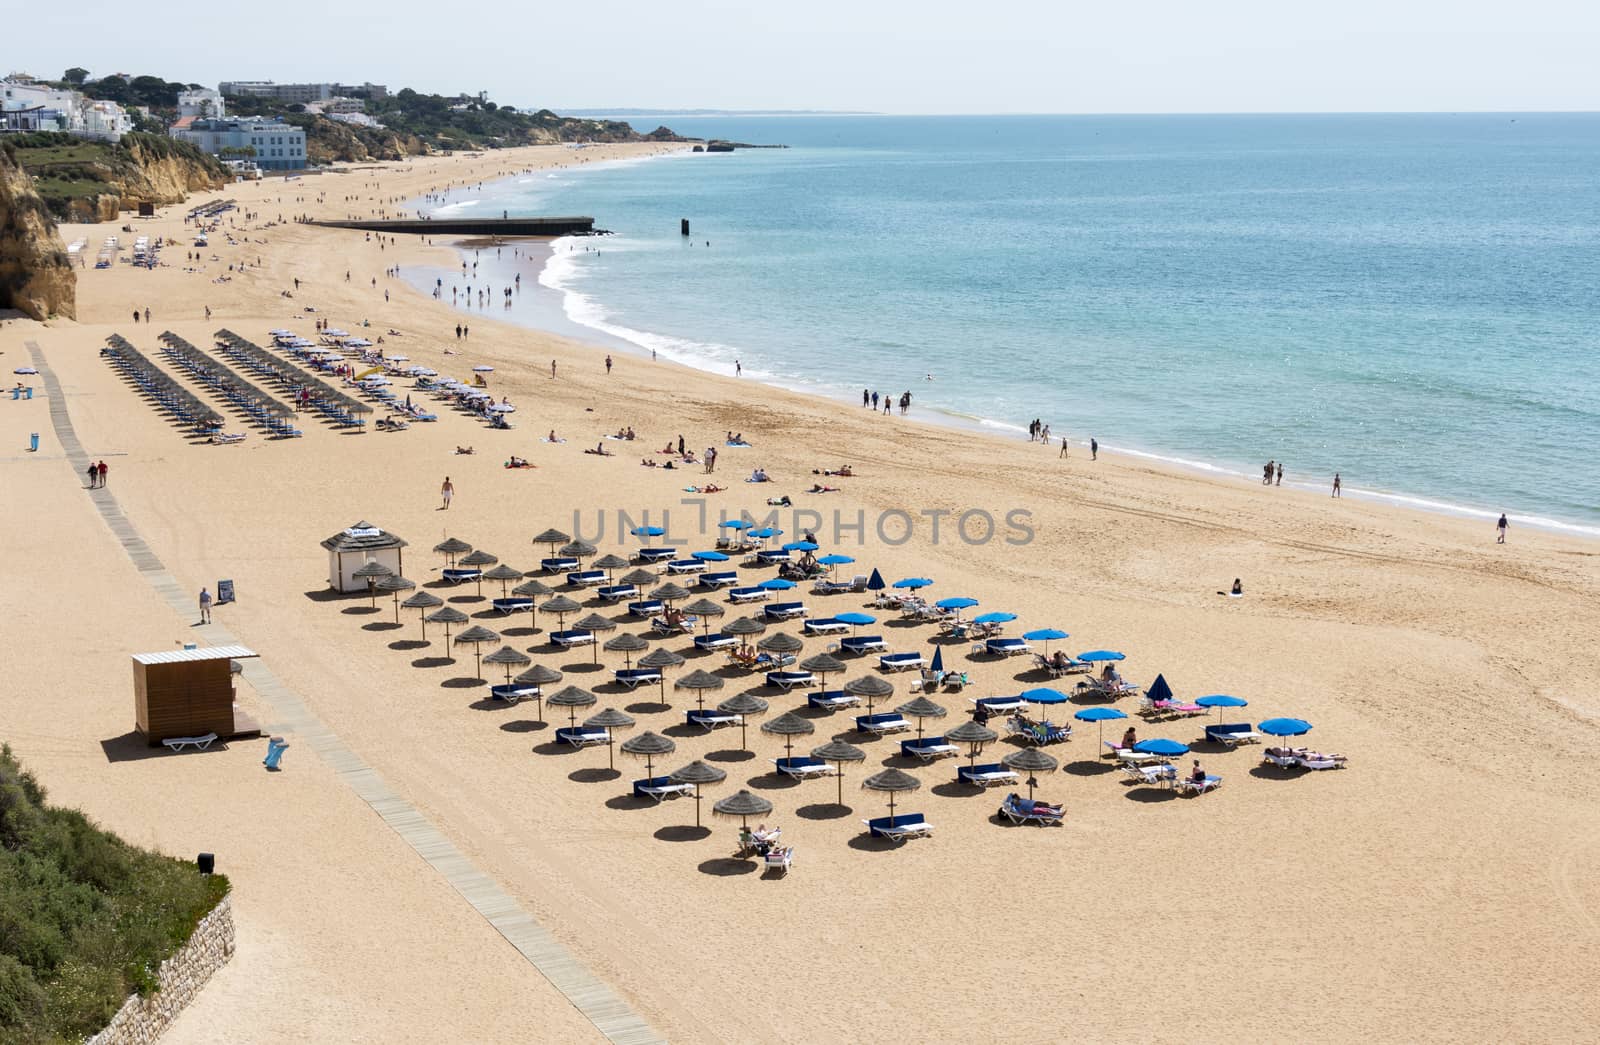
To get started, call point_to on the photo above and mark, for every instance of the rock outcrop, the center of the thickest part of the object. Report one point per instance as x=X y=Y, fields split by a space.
x=36 y=274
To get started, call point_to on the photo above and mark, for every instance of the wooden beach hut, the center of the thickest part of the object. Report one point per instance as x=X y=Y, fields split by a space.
x=188 y=693
x=351 y=548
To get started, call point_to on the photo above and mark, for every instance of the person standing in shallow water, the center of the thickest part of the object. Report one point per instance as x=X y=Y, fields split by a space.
x=1500 y=529
x=1336 y=492
x=1094 y=449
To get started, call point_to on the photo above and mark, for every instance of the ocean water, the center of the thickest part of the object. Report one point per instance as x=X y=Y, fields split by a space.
x=1411 y=300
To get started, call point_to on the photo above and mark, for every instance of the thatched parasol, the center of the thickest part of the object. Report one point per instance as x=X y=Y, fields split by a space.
x=627 y=644
x=610 y=720
x=446 y=615
x=552 y=537
x=743 y=805
x=508 y=658
x=697 y=773
x=870 y=686
x=572 y=698
x=920 y=709
x=788 y=726
x=577 y=550
x=660 y=659
x=974 y=736
x=592 y=623
x=479 y=559
x=699 y=681
x=1032 y=761
x=669 y=593
x=639 y=578
x=609 y=563
x=423 y=600
x=838 y=752
x=395 y=584
x=705 y=609
x=450 y=548
x=781 y=642
x=541 y=676
x=504 y=574
x=893 y=782
x=745 y=626
x=372 y=571
x=744 y=705
x=648 y=746
x=532 y=589
x=477 y=635
x=822 y=665
x=561 y=606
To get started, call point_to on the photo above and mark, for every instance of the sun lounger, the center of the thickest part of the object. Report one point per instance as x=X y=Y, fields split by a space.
x=572 y=637
x=457 y=576
x=827 y=587
x=900 y=827
x=1170 y=709
x=1129 y=757
x=1094 y=687
x=512 y=604
x=646 y=607
x=987 y=775
x=512 y=693
x=1315 y=760
x=616 y=592
x=632 y=677
x=779 y=611
x=198 y=743
x=1000 y=705
x=581 y=736
x=824 y=626
x=790 y=679
x=1190 y=786
x=710 y=719
x=743 y=595
x=1040 y=733
x=802 y=768
x=1232 y=734
x=900 y=661
x=1073 y=666
x=558 y=565
x=832 y=700
x=659 y=787
x=771 y=661
x=928 y=749
x=1006 y=647
x=715 y=641
x=780 y=860
x=772 y=557
x=655 y=554
x=586 y=578
x=720 y=579
x=881 y=724
x=677 y=566
x=866 y=644
x=683 y=627
x=1152 y=775
x=928 y=680
x=1021 y=810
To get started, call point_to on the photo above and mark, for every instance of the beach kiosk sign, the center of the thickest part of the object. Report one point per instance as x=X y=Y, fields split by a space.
x=355 y=546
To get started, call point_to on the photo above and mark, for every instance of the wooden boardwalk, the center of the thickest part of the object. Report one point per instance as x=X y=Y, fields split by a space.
x=594 y=999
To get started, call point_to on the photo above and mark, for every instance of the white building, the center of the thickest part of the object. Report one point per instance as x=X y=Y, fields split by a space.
x=356 y=119
x=291 y=93
x=273 y=145
x=37 y=107
x=203 y=102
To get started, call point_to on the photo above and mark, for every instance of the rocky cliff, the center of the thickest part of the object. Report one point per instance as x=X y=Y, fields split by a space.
x=93 y=181
x=36 y=275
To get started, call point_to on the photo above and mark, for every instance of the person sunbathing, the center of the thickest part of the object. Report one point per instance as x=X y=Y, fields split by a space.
x=518 y=462
x=1129 y=738
x=780 y=502
x=819 y=488
x=711 y=488
x=1060 y=661
x=650 y=463
x=463 y=449
x=600 y=451
x=759 y=476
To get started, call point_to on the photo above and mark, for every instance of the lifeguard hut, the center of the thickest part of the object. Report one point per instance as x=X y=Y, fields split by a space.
x=351 y=548
x=188 y=693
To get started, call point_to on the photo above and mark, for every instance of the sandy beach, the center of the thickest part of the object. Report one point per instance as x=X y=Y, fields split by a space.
x=1443 y=887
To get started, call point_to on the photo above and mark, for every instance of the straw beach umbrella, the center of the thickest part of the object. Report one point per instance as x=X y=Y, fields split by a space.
x=744 y=705
x=541 y=676
x=561 y=606
x=838 y=752
x=699 y=681
x=648 y=746
x=572 y=698
x=743 y=626
x=627 y=644
x=742 y=804
x=870 y=686
x=974 y=736
x=395 y=584
x=577 y=550
x=609 y=563
x=1032 y=761
x=446 y=615
x=504 y=574
x=594 y=622
x=892 y=782
x=450 y=548
x=478 y=560
x=552 y=537
x=920 y=709
x=822 y=665
x=610 y=720
x=780 y=642
x=372 y=571
x=788 y=726
x=477 y=635
x=699 y=774
x=705 y=609
x=639 y=578
x=508 y=658
x=661 y=659
x=424 y=601
x=669 y=593
x=532 y=589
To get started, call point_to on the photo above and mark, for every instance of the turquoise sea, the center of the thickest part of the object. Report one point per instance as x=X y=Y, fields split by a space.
x=1410 y=300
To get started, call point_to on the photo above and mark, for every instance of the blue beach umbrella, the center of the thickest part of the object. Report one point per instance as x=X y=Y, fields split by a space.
x=835 y=560
x=855 y=620
x=875 y=582
x=1046 y=636
x=1161 y=746
x=734 y=524
x=937 y=667
x=765 y=532
x=1095 y=655
x=1221 y=700
x=1099 y=716
x=800 y=546
x=1044 y=696
x=1285 y=727
x=776 y=584
x=912 y=582
x=647 y=531
x=709 y=556
x=1159 y=690
x=955 y=602
x=1000 y=617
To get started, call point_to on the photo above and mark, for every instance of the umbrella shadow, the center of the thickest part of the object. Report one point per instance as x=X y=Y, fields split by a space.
x=682 y=833
x=647 y=707
x=361 y=611
x=597 y=775
x=1150 y=794
x=520 y=630
x=629 y=801
x=957 y=789
x=869 y=843
x=462 y=682
x=524 y=725
x=551 y=747
x=729 y=755
x=681 y=730
x=903 y=622
x=327 y=595
x=432 y=662
x=382 y=625
x=728 y=866
x=584 y=668
x=1268 y=771
x=1088 y=768
x=773 y=781
x=904 y=762
x=404 y=645
x=466 y=599
x=823 y=811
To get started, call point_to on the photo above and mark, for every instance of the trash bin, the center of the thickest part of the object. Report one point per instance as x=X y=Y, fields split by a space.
x=275 y=749
x=33 y=442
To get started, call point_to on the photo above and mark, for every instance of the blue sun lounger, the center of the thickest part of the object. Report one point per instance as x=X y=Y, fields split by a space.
x=512 y=604
x=572 y=637
x=659 y=787
x=899 y=827
x=928 y=749
x=1232 y=734
x=586 y=578
x=655 y=554
x=710 y=719
x=513 y=692
x=646 y=607
x=581 y=736
x=772 y=557
x=790 y=679
x=1006 y=647
x=987 y=775
x=1021 y=810
x=686 y=566
x=832 y=700
x=457 y=576
x=660 y=626
x=802 y=768
x=632 y=677
x=616 y=592
x=900 y=661
x=824 y=626
x=715 y=641
x=1000 y=705
x=865 y=644
x=743 y=595
x=558 y=565
x=720 y=579
x=885 y=722
x=779 y=611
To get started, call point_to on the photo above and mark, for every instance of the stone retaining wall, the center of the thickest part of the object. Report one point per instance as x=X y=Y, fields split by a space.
x=141 y=1021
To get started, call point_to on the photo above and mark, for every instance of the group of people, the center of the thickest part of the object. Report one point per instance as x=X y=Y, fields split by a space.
x=1272 y=474
x=871 y=398
x=97 y=474
x=1038 y=431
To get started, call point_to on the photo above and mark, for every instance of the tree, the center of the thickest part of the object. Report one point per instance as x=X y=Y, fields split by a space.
x=75 y=75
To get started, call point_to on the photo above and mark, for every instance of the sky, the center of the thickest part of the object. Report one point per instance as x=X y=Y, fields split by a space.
x=897 y=56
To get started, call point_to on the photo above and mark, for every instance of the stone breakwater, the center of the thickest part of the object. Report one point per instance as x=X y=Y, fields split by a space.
x=141 y=1021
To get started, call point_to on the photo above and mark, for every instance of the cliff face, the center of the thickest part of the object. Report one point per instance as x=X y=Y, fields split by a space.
x=36 y=275
x=93 y=181
x=165 y=177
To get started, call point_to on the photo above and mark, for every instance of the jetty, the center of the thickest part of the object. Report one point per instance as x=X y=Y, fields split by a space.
x=467 y=226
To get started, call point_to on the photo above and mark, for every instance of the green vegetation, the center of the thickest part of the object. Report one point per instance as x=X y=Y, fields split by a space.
x=86 y=919
x=65 y=168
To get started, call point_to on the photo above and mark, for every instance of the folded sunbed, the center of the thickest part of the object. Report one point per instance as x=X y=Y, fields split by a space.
x=686 y=566
x=710 y=718
x=655 y=554
x=772 y=557
x=928 y=749
x=741 y=595
x=720 y=579
x=513 y=692
x=659 y=787
x=581 y=736
x=1005 y=647
x=887 y=722
x=586 y=578
x=457 y=576
x=1000 y=705
x=616 y=592
x=784 y=611
x=1232 y=734
x=715 y=641
x=824 y=626
x=558 y=565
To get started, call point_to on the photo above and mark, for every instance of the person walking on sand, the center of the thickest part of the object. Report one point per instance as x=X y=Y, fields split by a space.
x=1336 y=484
x=738 y=365
x=552 y=369
x=447 y=491
x=205 y=606
x=1279 y=480
x=1063 y=446
x=1094 y=449
x=94 y=476
x=608 y=365
x=1499 y=527
x=102 y=469
x=147 y=315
